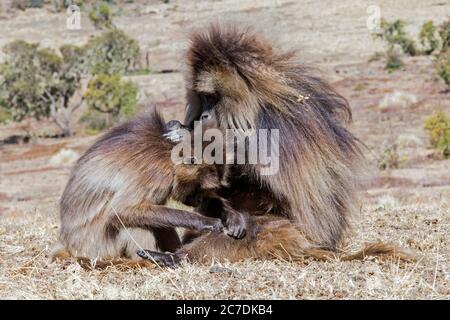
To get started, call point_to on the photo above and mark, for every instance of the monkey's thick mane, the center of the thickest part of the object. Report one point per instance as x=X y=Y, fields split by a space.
x=262 y=87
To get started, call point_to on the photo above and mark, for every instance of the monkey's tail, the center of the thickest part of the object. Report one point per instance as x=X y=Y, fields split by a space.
x=285 y=241
x=60 y=253
x=383 y=250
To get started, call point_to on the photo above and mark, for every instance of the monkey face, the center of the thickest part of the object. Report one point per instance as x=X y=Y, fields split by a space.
x=208 y=119
x=176 y=132
x=197 y=104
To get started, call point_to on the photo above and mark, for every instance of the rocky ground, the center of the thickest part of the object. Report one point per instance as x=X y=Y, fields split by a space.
x=408 y=205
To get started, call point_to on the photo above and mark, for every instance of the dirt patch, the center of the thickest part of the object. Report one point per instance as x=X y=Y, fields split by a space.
x=32 y=152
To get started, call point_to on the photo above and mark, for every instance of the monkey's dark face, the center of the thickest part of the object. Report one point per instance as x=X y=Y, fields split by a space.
x=197 y=104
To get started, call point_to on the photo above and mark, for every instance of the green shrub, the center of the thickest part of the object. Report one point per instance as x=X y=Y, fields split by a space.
x=443 y=66
x=394 y=34
x=430 y=38
x=389 y=159
x=60 y=5
x=35 y=3
x=109 y=100
x=96 y=122
x=393 y=61
x=444 y=32
x=24 y=4
x=101 y=16
x=438 y=128
x=5 y=115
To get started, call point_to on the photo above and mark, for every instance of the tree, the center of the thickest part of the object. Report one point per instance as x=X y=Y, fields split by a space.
x=40 y=83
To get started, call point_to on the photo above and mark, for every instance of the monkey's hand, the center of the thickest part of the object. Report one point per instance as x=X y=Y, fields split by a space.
x=235 y=224
x=175 y=131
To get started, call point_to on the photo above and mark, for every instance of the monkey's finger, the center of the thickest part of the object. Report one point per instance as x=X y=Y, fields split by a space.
x=234 y=232
x=175 y=135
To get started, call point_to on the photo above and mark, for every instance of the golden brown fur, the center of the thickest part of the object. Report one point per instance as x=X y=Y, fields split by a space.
x=268 y=237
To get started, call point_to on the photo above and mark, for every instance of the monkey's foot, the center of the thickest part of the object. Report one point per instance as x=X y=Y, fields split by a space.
x=162 y=259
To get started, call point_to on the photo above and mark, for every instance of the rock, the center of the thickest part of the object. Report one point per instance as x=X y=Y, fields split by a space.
x=398 y=99
x=64 y=157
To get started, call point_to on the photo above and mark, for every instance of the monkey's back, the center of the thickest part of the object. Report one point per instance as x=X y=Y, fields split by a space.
x=128 y=166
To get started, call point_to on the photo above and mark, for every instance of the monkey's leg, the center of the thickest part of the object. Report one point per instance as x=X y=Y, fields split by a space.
x=153 y=216
x=167 y=239
x=162 y=259
x=189 y=236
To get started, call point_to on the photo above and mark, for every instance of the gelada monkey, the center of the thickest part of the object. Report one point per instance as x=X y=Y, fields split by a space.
x=250 y=84
x=114 y=201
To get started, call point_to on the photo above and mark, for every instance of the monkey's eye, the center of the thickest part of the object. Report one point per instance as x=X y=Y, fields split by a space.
x=205 y=116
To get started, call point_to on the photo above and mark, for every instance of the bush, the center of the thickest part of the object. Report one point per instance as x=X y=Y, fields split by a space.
x=393 y=61
x=61 y=5
x=430 y=38
x=112 y=97
x=444 y=32
x=101 y=16
x=443 y=67
x=389 y=159
x=96 y=122
x=24 y=4
x=394 y=34
x=438 y=128
x=5 y=115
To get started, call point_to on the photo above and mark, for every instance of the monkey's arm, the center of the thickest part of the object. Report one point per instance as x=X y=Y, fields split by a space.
x=153 y=216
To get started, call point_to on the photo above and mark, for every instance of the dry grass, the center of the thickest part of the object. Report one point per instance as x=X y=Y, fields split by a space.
x=26 y=271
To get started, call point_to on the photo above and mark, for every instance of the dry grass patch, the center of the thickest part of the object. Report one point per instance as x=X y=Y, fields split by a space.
x=26 y=271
